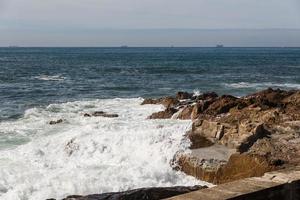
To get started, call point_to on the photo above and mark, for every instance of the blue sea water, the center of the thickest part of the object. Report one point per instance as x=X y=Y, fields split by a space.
x=31 y=77
x=95 y=155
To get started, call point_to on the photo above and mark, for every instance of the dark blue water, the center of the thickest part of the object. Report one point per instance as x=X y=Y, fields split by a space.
x=31 y=77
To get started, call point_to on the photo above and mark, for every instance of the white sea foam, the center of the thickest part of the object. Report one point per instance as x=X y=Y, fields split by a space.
x=50 y=78
x=90 y=155
x=241 y=85
x=196 y=93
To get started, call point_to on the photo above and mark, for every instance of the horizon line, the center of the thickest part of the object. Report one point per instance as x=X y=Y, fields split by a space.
x=122 y=47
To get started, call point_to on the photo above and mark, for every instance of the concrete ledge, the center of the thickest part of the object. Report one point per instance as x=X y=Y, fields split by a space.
x=277 y=185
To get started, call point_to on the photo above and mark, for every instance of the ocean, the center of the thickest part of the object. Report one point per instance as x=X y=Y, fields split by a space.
x=94 y=155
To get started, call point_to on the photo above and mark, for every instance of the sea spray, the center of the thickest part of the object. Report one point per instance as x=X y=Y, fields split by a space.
x=90 y=155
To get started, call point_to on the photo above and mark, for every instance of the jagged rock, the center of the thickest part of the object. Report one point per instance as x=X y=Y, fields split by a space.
x=150 y=101
x=139 y=194
x=166 y=114
x=270 y=98
x=207 y=96
x=59 y=121
x=185 y=113
x=166 y=101
x=264 y=128
x=169 y=102
x=222 y=105
x=183 y=95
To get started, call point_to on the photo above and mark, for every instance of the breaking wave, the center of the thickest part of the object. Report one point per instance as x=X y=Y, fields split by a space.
x=85 y=155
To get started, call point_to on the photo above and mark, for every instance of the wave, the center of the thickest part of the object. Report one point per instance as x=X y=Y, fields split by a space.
x=85 y=155
x=50 y=78
x=241 y=85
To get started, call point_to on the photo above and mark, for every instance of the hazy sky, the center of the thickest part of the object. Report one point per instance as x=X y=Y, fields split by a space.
x=49 y=22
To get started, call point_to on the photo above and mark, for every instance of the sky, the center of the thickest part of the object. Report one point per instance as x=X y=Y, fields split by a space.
x=149 y=22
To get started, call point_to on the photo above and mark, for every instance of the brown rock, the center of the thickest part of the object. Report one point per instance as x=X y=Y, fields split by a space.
x=166 y=114
x=210 y=130
x=196 y=111
x=222 y=105
x=243 y=166
x=166 y=101
x=207 y=96
x=183 y=95
x=217 y=172
x=185 y=113
x=270 y=98
x=169 y=102
x=149 y=101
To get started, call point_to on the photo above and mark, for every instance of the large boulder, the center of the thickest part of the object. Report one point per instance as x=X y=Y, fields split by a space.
x=221 y=171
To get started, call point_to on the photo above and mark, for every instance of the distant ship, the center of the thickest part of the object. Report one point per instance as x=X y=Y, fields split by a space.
x=220 y=46
x=124 y=46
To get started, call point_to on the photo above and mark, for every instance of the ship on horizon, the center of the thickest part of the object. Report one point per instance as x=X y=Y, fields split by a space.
x=220 y=46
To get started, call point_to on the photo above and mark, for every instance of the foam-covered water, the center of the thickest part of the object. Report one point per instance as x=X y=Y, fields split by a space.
x=89 y=155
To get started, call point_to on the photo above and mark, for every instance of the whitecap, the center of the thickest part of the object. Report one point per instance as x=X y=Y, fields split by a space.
x=50 y=78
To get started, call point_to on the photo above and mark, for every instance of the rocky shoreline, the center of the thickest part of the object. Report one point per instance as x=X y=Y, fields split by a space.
x=231 y=137
x=234 y=138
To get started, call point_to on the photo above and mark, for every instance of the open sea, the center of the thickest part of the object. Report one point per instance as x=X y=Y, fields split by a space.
x=96 y=155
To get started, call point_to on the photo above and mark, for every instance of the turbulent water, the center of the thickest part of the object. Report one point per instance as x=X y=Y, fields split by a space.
x=94 y=155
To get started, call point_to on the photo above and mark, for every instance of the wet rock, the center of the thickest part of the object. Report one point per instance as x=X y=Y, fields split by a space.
x=270 y=98
x=98 y=114
x=185 y=113
x=207 y=96
x=165 y=101
x=221 y=171
x=101 y=114
x=263 y=128
x=139 y=194
x=166 y=114
x=222 y=105
x=150 y=101
x=59 y=121
x=183 y=95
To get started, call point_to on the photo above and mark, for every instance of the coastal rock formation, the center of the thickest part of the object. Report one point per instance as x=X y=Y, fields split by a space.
x=138 y=194
x=259 y=132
